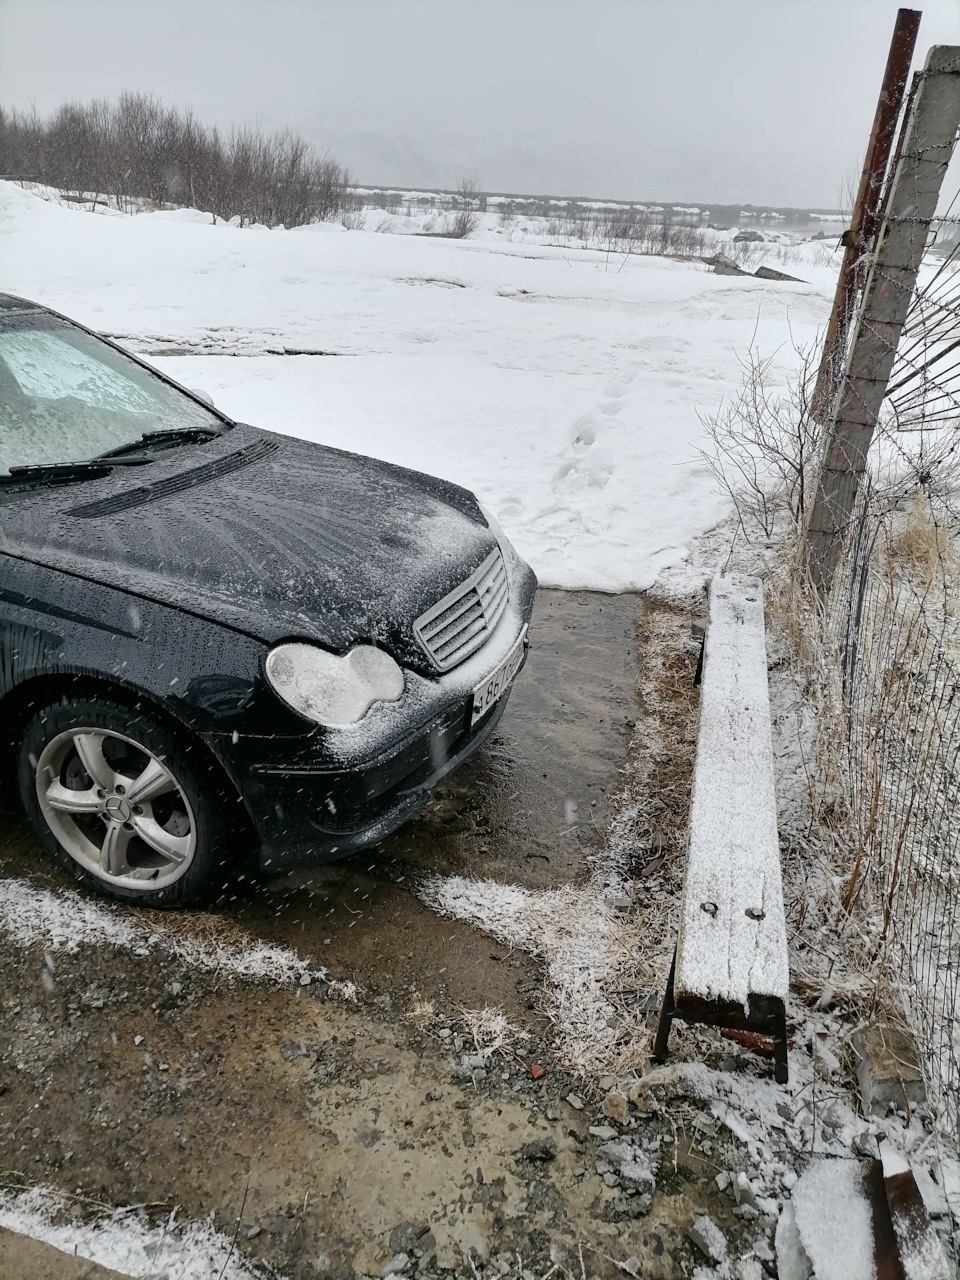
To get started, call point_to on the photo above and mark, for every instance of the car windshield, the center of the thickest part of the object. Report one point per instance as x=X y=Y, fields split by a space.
x=65 y=396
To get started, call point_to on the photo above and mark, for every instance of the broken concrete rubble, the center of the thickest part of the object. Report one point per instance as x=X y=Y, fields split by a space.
x=397 y=1265
x=708 y=1238
x=724 y=266
x=636 y=1169
x=743 y=1191
x=888 y=1069
x=616 y=1108
x=770 y=273
x=834 y=1219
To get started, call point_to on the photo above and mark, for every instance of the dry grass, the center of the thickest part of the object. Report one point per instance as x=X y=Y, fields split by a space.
x=648 y=832
x=490 y=1030
x=676 y=699
x=924 y=544
x=421 y=1013
x=651 y=806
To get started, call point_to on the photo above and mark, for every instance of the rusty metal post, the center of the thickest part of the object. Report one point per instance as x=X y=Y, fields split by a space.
x=928 y=142
x=865 y=220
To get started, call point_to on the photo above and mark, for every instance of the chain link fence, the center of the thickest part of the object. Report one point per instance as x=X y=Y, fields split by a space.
x=893 y=616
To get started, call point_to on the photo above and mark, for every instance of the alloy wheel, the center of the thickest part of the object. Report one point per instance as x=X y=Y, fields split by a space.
x=116 y=808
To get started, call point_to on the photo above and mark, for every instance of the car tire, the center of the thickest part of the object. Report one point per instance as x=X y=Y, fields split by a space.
x=125 y=805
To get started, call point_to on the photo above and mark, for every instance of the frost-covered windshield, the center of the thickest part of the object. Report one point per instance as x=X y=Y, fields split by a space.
x=65 y=396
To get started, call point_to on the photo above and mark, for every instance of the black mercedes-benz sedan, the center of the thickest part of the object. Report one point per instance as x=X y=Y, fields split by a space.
x=211 y=634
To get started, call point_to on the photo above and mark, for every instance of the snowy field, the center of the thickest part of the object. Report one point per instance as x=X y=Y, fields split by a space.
x=562 y=385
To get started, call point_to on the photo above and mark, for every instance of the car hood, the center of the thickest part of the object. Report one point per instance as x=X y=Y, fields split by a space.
x=268 y=534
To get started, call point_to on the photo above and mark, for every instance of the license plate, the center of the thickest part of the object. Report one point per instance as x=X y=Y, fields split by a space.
x=486 y=695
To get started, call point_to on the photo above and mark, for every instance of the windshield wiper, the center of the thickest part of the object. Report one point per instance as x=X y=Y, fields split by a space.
x=137 y=453
x=167 y=436
x=66 y=471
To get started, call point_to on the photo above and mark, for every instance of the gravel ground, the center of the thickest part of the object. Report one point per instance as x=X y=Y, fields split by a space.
x=338 y=1134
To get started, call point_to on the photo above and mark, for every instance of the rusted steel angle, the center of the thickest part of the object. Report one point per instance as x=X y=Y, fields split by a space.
x=765 y=1016
x=918 y=1248
x=885 y=1252
x=867 y=207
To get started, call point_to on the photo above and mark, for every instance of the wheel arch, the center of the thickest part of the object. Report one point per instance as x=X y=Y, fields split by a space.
x=28 y=696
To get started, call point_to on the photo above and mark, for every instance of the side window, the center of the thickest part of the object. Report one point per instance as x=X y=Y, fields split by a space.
x=47 y=368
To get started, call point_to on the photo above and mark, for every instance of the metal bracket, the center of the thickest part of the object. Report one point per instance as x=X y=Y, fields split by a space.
x=766 y=1015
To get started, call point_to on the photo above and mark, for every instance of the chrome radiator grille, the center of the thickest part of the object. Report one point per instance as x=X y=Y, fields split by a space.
x=459 y=624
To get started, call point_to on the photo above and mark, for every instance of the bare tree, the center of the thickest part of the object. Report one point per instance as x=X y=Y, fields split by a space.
x=466 y=203
x=138 y=151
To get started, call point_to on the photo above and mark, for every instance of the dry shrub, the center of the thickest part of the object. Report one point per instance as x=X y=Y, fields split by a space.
x=465 y=222
x=422 y=1012
x=764 y=445
x=490 y=1030
x=647 y=832
x=468 y=204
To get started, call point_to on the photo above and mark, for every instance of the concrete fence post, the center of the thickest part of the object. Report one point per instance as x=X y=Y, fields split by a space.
x=864 y=216
x=928 y=141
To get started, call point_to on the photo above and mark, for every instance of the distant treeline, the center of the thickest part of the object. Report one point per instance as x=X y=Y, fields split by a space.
x=137 y=150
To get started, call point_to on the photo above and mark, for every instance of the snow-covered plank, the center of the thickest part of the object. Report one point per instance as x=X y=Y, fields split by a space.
x=827 y=1227
x=732 y=942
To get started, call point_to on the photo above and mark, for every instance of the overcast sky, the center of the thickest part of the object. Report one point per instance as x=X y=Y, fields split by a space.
x=754 y=101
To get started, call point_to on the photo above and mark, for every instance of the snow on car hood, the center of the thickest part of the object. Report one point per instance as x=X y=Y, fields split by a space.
x=274 y=536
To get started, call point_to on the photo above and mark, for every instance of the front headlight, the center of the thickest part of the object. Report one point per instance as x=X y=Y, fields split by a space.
x=335 y=691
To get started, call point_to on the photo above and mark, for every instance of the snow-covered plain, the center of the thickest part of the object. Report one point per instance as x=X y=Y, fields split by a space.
x=562 y=385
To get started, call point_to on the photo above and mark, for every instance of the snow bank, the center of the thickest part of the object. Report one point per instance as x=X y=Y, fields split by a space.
x=581 y=941
x=562 y=385
x=176 y=1251
x=66 y=921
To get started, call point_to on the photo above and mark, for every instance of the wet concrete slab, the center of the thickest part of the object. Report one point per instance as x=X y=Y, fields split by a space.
x=171 y=1086
x=529 y=808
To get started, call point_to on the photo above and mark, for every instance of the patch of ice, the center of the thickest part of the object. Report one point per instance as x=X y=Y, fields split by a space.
x=792 y=1260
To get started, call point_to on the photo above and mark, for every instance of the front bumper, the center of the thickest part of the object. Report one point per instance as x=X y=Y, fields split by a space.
x=334 y=791
x=319 y=815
